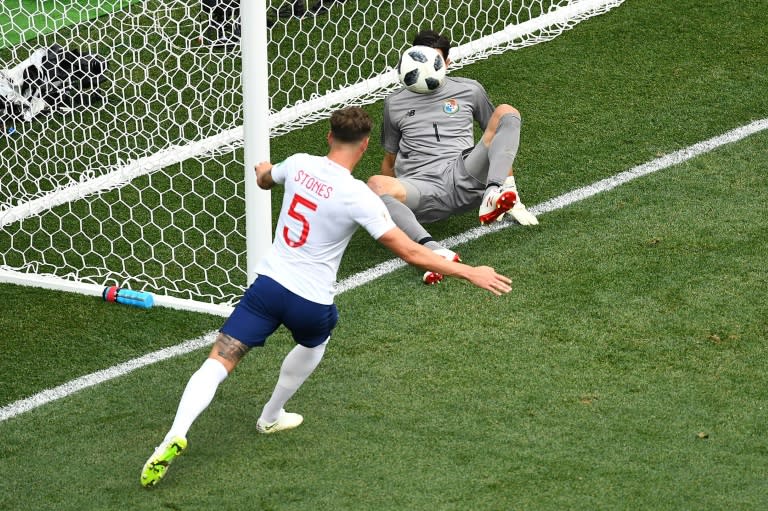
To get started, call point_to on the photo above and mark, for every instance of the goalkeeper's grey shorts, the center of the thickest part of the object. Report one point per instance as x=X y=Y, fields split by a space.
x=441 y=193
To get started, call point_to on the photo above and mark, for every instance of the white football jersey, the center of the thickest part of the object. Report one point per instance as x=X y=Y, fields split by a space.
x=322 y=207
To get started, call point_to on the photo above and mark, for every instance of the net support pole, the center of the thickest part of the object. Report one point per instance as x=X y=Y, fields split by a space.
x=258 y=202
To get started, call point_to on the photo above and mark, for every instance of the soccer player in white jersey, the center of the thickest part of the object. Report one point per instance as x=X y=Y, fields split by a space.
x=432 y=167
x=322 y=207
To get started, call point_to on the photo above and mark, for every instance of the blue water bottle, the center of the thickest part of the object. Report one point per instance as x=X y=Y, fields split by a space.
x=140 y=299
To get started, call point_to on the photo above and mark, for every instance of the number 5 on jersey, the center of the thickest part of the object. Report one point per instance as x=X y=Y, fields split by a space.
x=297 y=201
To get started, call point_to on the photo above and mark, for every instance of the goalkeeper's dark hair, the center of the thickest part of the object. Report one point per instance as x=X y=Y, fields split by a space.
x=351 y=124
x=433 y=40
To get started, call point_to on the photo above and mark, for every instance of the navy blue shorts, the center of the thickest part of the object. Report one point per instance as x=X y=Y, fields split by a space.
x=266 y=305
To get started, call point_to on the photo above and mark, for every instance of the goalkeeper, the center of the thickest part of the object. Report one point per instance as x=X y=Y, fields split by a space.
x=322 y=207
x=432 y=167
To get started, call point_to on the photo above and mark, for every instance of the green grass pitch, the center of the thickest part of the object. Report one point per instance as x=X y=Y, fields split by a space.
x=626 y=370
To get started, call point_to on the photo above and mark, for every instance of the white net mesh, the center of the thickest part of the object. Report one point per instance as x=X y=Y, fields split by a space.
x=142 y=186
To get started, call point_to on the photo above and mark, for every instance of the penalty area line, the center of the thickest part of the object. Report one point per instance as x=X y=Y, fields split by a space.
x=41 y=398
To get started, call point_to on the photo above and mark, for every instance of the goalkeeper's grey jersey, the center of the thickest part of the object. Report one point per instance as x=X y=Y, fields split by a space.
x=426 y=131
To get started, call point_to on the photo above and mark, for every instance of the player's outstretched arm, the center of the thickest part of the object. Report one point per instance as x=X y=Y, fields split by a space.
x=411 y=252
x=264 y=175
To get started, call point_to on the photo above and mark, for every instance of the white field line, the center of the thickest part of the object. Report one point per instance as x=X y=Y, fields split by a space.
x=41 y=398
x=571 y=197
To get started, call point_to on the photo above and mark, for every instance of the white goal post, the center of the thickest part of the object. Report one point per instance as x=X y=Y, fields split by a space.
x=132 y=170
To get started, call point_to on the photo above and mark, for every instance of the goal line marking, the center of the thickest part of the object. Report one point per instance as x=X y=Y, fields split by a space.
x=46 y=396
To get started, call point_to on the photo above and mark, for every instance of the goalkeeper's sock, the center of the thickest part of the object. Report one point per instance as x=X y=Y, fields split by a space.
x=503 y=149
x=297 y=366
x=405 y=219
x=197 y=395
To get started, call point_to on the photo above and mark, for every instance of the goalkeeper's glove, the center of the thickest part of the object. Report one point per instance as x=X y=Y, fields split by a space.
x=522 y=215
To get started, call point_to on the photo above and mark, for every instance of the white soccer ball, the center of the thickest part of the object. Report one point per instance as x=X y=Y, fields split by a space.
x=421 y=69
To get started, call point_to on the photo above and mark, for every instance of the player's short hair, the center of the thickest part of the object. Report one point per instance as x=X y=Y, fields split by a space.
x=433 y=40
x=351 y=124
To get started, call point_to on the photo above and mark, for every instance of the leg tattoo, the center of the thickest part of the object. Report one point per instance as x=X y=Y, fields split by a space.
x=229 y=348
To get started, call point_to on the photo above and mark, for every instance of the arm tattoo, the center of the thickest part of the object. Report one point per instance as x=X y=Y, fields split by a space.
x=229 y=348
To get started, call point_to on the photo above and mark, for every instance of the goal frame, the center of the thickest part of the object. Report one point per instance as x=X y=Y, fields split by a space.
x=260 y=124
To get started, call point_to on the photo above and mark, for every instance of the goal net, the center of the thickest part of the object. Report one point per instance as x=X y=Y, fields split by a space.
x=123 y=159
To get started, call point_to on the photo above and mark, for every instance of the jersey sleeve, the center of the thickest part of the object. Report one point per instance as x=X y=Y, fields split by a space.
x=370 y=213
x=281 y=170
x=390 y=133
x=483 y=107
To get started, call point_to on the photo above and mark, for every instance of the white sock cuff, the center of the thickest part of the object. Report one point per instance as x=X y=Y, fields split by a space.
x=215 y=369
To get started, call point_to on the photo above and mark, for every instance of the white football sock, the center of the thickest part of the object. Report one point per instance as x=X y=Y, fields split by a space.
x=297 y=366
x=197 y=396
